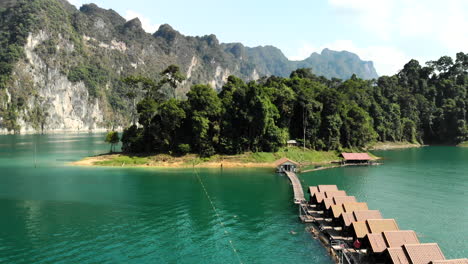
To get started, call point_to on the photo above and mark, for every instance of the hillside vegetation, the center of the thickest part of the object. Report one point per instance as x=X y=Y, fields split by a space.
x=49 y=50
x=420 y=104
x=307 y=158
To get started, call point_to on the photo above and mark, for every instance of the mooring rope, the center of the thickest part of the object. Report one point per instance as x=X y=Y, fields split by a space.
x=218 y=217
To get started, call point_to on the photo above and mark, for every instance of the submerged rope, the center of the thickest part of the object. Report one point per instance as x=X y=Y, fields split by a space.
x=218 y=217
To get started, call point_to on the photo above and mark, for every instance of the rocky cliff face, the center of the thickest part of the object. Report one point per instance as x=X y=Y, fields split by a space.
x=62 y=67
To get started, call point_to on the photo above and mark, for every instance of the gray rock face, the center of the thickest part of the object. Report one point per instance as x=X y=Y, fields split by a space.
x=68 y=104
x=72 y=68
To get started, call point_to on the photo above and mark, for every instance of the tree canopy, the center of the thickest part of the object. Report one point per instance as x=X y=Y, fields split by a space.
x=426 y=104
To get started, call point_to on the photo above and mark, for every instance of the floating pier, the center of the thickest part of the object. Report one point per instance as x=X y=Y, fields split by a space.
x=297 y=188
x=353 y=234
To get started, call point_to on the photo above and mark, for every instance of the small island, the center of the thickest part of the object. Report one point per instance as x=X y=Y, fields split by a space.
x=308 y=160
x=306 y=118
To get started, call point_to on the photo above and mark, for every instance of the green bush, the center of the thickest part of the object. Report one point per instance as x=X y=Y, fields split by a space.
x=183 y=149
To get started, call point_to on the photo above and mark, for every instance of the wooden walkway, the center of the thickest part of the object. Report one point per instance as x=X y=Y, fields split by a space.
x=297 y=187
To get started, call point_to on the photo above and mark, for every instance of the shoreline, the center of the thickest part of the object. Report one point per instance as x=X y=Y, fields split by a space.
x=100 y=161
x=388 y=145
x=321 y=161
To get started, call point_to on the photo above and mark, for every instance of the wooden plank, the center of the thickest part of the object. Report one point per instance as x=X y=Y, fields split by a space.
x=297 y=187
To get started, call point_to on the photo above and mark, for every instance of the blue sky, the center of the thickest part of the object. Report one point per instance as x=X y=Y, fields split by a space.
x=388 y=32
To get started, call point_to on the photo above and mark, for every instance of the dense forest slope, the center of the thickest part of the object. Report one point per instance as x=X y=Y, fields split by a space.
x=60 y=68
x=425 y=104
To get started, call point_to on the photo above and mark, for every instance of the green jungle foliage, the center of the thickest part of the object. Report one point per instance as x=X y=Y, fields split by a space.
x=419 y=104
x=113 y=139
x=81 y=45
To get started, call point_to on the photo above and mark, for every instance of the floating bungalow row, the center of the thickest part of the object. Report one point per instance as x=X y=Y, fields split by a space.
x=357 y=234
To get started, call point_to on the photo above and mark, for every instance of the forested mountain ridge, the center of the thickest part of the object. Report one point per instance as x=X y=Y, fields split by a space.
x=425 y=104
x=60 y=68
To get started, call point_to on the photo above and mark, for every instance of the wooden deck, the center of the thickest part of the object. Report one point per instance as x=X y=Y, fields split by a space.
x=297 y=187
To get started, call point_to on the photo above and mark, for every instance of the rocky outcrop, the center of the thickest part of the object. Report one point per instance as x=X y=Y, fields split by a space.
x=69 y=77
x=67 y=106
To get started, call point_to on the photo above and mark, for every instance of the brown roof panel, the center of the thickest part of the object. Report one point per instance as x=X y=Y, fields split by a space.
x=313 y=189
x=398 y=256
x=423 y=253
x=324 y=188
x=348 y=218
x=356 y=156
x=351 y=207
x=377 y=242
x=344 y=199
x=363 y=215
x=399 y=238
x=337 y=210
x=360 y=229
x=328 y=202
x=319 y=197
x=285 y=160
x=331 y=194
x=380 y=225
x=451 y=261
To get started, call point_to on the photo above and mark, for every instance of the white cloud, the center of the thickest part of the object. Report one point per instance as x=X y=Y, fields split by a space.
x=303 y=52
x=373 y=15
x=77 y=3
x=452 y=31
x=398 y=24
x=146 y=23
x=444 y=22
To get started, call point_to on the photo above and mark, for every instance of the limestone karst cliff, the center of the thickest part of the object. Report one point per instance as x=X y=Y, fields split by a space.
x=60 y=67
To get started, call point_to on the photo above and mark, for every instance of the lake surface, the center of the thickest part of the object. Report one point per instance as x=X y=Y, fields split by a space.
x=55 y=213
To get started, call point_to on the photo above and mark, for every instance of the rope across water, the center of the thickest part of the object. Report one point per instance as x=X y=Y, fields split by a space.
x=218 y=217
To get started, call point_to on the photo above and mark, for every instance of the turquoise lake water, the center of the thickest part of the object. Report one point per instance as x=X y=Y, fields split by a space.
x=55 y=213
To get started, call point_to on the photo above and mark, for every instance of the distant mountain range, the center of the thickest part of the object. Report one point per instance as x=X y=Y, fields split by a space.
x=72 y=62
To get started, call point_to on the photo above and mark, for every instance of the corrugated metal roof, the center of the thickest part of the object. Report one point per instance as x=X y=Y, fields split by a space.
x=348 y=218
x=285 y=160
x=380 y=225
x=351 y=207
x=356 y=156
x=398 y=256
x=337 y=210
x=377 y=242
x=423 y=253
x=325 y=188
x=451 y=261
x=360 y=229
x=389 y=239
x=319 y=196
x=344 y=199
x=328 y=202
x=331 y=194
x=399 y=238
x=313 y=189
x=363 y=215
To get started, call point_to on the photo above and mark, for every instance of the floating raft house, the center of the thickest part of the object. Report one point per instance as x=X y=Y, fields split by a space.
x=355 y=234
x=356 y=158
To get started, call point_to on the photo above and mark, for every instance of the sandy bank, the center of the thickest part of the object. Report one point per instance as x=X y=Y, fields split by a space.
x=184 y=162
x=394 y=145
